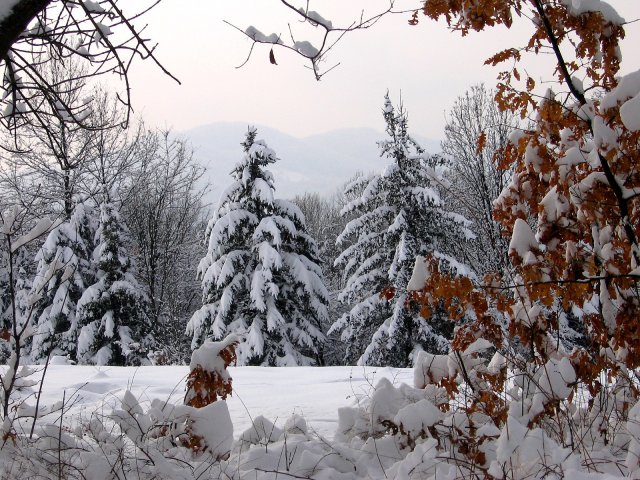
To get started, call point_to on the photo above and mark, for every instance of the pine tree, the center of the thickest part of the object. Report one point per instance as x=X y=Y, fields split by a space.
x=398 y=216
x=21 y=288
x=5 y=303
x=65 y=270
x=261 y=277
x=113 y=312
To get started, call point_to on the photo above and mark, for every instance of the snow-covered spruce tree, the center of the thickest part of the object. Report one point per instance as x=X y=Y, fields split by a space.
x=113 y=312
x=65 y=270
x=398 y=216
x=260 y=277
x=22 y=259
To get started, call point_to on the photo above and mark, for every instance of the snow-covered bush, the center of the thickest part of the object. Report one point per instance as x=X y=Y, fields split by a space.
x=147 y=440
x=208 y=378
x=209 y=427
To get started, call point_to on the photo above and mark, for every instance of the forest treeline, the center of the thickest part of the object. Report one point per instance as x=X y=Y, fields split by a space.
x=138 y=269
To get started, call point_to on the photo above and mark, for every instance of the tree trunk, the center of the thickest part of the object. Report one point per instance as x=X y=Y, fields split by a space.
x=17 y=21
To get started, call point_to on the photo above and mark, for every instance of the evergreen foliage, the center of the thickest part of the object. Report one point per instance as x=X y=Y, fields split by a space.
x=113 y=312
x=65 y=270
x=398 y=216
x=261 y=277
x=21 y=300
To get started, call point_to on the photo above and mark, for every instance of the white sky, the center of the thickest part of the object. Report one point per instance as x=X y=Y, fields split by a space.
x=430 y=65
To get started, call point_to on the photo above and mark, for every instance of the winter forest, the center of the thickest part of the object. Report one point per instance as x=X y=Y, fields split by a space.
x=467 y=313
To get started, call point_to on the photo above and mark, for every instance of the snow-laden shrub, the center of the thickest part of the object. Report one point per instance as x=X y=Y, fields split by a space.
x=150 y=440
x=208 y=378
x=208 y=425
x=466 y=419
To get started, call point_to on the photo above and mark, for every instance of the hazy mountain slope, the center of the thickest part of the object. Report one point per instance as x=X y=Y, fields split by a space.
x=318 y=163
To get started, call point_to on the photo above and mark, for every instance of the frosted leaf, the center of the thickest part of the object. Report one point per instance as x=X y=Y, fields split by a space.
x=93 y=7
x=630 y=113
x=213 y=425
x=296 y=424
x=497 y=363
x=262 y=430
x=418 y=417
x=628 y=87
x=431 y=369
x=104 y=30
x=208 y=356
x=480 y=345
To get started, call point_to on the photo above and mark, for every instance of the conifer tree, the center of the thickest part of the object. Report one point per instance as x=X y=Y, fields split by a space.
x=22 y=282
x=398 y=216
x=65 y=270
x=260 y=276
x=113 y=312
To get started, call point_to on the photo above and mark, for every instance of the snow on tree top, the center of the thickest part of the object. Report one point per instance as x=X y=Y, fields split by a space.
x=228 y=194
x=388 y=108
x=207 y=355
x=262 y=191
x=289 y=209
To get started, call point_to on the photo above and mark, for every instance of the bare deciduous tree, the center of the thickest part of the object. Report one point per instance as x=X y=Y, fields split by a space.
x=164 y=212
x=475 y=132
x=37 y=33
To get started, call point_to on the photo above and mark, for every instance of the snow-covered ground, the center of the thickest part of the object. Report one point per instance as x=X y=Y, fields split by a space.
x=106 y=428
x=276 y=393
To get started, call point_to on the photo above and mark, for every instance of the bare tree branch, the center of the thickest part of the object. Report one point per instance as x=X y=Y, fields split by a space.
x=38 y=33
x=331 y=35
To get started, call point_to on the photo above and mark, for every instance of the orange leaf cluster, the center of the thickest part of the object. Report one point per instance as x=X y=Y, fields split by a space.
x=576 y=181
x=576 y=178
x=477 y=15
x=5 y=334
x=204 y=387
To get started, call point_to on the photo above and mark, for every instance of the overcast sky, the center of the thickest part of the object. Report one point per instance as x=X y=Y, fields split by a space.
x=430 y=65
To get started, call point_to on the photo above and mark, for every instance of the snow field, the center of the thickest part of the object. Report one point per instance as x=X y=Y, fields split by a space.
x=314 y=393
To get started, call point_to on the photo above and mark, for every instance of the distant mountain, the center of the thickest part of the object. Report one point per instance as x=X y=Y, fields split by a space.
x=319 y=163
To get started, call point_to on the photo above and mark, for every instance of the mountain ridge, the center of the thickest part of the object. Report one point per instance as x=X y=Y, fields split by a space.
x=320 y=163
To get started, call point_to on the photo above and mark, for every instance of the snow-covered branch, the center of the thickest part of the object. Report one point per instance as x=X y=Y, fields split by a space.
x=34 y=35
x=314 y=52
